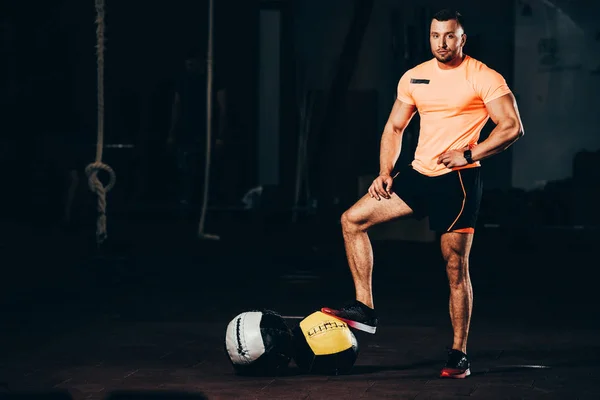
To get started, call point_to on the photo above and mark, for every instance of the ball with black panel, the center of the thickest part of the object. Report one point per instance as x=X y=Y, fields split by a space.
x=259 y=343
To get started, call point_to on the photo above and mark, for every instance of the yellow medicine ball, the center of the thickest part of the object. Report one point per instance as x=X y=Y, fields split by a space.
x=324 y=345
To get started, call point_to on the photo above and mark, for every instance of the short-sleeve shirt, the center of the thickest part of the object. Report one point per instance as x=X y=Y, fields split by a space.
x=452 y=107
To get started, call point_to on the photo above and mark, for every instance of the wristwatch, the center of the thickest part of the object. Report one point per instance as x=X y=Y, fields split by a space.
x=467 y=155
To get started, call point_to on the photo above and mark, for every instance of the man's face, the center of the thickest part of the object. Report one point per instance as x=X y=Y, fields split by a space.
x=447 y=39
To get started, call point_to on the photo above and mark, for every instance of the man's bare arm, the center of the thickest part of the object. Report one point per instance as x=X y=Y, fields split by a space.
x=391 y=139
x=504 y=112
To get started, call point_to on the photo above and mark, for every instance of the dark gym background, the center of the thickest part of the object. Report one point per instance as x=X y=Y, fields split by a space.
x=533 y=262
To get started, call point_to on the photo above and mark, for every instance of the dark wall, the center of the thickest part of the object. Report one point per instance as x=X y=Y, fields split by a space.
x=50 y=62
x=55 y=67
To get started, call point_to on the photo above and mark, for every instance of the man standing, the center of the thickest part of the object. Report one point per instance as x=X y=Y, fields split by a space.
x=455 y=96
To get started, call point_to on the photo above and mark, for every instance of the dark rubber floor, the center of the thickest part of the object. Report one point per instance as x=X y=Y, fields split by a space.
x=146 y=316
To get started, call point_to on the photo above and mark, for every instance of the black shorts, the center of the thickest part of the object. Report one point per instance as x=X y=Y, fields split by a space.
x=451 y=201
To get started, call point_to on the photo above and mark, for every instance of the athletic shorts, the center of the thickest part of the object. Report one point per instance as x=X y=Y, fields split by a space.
x=451 y=201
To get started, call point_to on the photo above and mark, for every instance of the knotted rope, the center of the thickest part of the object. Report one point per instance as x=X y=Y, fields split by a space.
x=94 y=168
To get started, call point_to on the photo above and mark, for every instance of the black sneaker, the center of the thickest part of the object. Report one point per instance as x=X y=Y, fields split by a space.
x=457 y=366
x=357 y=315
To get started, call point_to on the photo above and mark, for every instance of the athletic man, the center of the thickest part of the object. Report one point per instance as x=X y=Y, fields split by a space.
x=455 y=96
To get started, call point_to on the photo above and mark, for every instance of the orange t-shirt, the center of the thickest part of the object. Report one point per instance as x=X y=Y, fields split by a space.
x=451 y=104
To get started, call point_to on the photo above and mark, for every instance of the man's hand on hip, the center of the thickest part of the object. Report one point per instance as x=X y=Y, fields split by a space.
x=453 y=158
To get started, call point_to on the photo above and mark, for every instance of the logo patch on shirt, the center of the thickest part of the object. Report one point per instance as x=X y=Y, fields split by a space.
x=420 y=81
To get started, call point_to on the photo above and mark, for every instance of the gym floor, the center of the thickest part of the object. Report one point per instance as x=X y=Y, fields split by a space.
x=146 y=316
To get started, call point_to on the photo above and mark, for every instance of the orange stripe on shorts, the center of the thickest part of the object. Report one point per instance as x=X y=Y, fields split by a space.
x=464 y=230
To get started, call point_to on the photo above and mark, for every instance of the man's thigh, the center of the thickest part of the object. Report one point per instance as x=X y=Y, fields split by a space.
x=412 y=188
x=454 y=201
x=368 y=211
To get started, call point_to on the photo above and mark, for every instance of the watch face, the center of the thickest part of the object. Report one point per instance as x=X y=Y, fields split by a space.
x=467 y=155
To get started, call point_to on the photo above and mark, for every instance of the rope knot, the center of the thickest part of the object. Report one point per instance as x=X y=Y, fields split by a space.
x=97 y=187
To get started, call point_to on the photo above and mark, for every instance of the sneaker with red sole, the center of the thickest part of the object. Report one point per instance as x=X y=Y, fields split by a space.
x=457 y=366
x=356 y=314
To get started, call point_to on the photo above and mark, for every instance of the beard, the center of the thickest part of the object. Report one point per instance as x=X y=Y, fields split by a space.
x=446 y=58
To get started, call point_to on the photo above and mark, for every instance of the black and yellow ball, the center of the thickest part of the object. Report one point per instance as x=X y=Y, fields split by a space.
x=324 y=345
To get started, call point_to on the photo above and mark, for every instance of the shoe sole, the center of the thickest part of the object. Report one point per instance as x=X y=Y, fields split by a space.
x=353 y=324
x=452 y=373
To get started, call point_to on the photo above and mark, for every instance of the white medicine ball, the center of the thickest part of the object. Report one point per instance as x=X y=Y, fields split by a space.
x=259 y=343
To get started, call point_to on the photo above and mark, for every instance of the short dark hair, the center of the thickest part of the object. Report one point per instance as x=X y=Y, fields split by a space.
x=447 y=15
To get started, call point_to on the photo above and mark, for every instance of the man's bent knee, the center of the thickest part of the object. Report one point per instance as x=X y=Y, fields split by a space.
x=349 y=221
x=353 y=221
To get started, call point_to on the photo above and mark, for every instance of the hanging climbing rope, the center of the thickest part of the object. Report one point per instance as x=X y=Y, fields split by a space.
x=94 y=168
x=209 y=100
